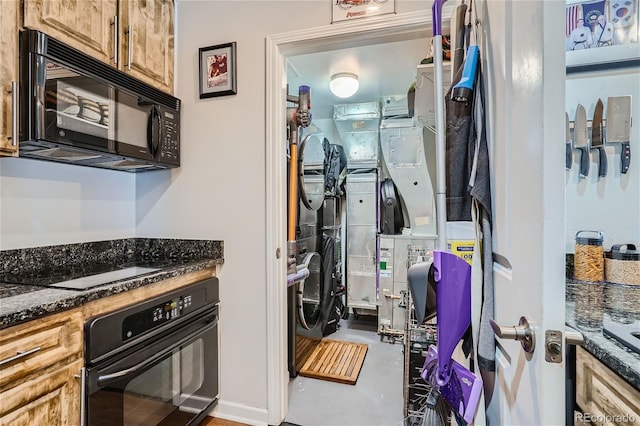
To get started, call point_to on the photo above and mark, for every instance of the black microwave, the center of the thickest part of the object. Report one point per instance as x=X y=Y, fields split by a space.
x=78 y=110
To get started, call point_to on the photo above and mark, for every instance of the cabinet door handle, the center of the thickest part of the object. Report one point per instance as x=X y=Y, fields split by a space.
x=129 y=47
x=18 y=355
x=14 y=116
x=83 y=394
x=116 y=39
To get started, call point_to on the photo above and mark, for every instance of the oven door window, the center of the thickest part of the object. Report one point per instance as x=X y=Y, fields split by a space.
x=176 y=387
x=157 y=394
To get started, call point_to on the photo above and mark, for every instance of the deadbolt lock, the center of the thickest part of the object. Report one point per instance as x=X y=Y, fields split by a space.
x=553 y=346
x=553 y=341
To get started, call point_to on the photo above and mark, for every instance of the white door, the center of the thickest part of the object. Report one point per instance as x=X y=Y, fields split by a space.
x=524 y=73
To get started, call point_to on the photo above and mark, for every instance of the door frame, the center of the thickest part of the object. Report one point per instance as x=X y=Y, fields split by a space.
x=356 y=33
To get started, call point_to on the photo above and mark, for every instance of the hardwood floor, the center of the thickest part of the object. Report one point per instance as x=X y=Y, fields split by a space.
x=212 y=421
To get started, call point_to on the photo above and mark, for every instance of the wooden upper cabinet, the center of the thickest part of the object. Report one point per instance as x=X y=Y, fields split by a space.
x=87 y=25
x=9 y=19
x=136 y=36
x=147 y=34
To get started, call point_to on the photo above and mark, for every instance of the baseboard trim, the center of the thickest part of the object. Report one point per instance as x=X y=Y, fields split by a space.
x=240 y=413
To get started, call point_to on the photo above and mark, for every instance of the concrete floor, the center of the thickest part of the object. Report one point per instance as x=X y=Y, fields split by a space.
x=375 y=399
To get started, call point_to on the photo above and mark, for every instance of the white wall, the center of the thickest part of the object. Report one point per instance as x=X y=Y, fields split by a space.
x=219 y=190
x=612 y=203
x=44 y=203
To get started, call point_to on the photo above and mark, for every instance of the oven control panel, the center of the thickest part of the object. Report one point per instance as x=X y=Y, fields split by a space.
x=150 y=318
x=133 y=324
x=170 y=309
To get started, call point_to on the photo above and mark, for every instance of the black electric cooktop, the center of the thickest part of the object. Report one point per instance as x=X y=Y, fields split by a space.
x=628 y=335
x=87 y=276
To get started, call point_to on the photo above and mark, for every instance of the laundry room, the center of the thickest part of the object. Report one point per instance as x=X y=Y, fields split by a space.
x=350 y=214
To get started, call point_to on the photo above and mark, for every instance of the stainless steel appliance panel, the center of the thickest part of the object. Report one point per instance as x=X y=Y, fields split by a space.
x=360 y=293
x=358 y=127
x=361 y=240
x=425 y=101
x=361 y=148
x=313 y=186
x=386 y=267
x=404 y=152
x=398 y=253
x=360 y=116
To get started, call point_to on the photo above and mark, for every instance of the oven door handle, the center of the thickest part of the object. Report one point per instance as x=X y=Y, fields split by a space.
x=108 y=378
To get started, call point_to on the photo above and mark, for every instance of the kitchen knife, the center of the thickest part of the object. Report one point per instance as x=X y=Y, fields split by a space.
x=619 y=127
x=581 y=140
x=569 y=146
x=597 y=142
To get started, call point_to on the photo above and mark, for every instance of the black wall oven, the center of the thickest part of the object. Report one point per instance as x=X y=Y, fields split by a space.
x=78 y=110
x=154 y=363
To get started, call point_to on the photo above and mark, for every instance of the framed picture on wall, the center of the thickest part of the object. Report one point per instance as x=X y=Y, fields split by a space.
x=601 y=34
x=218 y=70
x=344 y=10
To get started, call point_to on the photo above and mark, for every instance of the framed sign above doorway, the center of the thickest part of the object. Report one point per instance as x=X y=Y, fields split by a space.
x=344 y=10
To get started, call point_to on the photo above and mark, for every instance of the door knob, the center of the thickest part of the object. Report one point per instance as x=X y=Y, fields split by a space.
x=522 y=332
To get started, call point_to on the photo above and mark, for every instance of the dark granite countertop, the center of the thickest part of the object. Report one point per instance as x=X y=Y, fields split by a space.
x=21 y=302
x=601 y=305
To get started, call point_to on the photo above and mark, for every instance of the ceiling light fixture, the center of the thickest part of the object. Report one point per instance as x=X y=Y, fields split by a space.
x=344 y=84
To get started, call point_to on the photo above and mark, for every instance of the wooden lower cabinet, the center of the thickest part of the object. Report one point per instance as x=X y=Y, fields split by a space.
x=51 y=399
x=39 y=362
x=603 y=396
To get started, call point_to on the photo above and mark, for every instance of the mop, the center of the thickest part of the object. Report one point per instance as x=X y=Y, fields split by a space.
x=453 y=382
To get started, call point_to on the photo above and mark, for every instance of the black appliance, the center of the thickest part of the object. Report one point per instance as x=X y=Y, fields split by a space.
x=155 y=362
x=626 y=334
x=78 y=110
x=87 y=276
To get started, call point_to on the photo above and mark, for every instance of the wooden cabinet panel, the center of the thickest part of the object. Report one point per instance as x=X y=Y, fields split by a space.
x=144 y=43
x=10 y=17
x=602 y=394
x=51 y=399
x=50 y=340
x=86 y=25
x=147 y=34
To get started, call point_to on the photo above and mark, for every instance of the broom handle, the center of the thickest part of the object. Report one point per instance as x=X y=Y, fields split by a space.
x=441 y=190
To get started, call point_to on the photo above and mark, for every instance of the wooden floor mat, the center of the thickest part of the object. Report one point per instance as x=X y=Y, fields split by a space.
x=304 y=348
x=335 y=361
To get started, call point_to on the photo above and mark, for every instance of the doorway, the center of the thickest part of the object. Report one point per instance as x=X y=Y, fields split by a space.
x=358 y=33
